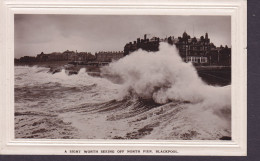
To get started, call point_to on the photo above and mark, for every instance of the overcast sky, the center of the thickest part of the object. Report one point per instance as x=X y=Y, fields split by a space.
x=92 y=33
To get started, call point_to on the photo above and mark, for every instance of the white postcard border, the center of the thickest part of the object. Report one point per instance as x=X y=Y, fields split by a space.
x=234 y=8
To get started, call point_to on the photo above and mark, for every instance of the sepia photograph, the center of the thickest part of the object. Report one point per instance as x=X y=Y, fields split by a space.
x=122 y=77
x=130 y=78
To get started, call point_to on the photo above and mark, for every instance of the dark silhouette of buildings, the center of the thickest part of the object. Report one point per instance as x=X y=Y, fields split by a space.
x=104 y=56
x=26 y=59
x=72 y=56
x=199 y=51
x=144 y=44
x=65 y=56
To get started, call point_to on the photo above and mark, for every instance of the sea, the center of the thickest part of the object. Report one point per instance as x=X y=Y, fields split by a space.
x=145 y=95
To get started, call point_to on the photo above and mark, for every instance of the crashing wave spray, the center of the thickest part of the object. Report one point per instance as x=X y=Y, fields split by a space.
x=164 y=77
x=185 y=108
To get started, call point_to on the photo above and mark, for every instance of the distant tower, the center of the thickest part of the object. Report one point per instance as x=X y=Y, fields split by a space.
x=193 y=30
x=184 y=35
x=206 y=36
x=145 y=36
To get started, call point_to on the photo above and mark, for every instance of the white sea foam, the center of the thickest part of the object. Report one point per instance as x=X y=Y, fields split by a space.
x=187 y=108
x=164 y=77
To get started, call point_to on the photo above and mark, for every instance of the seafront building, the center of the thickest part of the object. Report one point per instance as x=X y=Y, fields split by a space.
x=102 y=57
x=65 y=56
x=108 y=56
x=199 y=51
x=144 y=44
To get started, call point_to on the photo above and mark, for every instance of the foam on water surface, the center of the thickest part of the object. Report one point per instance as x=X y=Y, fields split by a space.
x=145 y=95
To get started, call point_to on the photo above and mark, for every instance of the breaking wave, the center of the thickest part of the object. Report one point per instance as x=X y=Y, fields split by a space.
x=145 y=95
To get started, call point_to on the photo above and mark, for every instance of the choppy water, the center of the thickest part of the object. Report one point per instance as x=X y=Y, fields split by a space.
x=142 y=96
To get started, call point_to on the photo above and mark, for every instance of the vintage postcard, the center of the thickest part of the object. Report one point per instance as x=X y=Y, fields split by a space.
x=126 y=84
